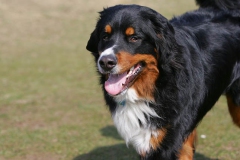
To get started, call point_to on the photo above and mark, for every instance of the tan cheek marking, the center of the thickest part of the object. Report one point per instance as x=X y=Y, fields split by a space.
x=129 y=31
x=108 y=29
x=126 y=60
x=187 y=151
x=145 y=82
x=156 y=141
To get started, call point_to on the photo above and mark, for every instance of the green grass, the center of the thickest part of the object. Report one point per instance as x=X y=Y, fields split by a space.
x=51 y=106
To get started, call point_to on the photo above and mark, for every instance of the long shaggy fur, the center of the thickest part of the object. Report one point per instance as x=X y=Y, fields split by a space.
x=182 y=66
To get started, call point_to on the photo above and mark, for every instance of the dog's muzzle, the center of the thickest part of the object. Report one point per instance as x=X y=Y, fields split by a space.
x=108 y=62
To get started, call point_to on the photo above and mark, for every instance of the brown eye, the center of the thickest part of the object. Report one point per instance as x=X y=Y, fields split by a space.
x=133 y=39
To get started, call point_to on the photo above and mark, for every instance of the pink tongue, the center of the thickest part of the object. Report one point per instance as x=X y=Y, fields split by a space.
x=114 y=83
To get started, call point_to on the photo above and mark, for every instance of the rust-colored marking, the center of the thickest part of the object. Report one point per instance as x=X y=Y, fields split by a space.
x=156 y=141
x=145 y=82
x=234 y=110
x=129 y=31
x=108 y=29
x=187 y=151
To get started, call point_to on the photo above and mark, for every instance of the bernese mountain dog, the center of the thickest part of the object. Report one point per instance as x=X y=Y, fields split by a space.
x=160 y=77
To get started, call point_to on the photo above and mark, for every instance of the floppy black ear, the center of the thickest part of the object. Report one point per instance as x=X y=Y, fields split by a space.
x=165 y=41
x=92 y=44
x=168 y=44
x=165 y=33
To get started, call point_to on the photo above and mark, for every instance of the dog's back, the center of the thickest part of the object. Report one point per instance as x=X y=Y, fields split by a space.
x=220 y=4
x=226 y=15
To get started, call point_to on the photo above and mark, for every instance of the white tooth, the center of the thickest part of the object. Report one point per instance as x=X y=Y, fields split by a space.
x=132 y=69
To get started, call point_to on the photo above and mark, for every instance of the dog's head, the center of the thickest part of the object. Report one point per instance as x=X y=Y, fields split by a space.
x=128 y=43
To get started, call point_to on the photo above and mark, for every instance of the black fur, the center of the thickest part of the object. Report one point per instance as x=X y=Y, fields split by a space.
x=220 y=4
x=198 y=60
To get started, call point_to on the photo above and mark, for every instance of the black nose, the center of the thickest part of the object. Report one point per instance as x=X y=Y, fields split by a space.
x=108 y=62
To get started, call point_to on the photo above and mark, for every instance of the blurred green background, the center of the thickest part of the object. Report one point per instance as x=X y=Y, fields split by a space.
x=51 y=106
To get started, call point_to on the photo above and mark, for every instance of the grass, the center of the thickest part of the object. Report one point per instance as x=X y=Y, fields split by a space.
x=51 y=106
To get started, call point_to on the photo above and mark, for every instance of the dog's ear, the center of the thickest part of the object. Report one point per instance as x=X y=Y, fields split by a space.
x=166 y=44
x=92 y=44
x=164 y=32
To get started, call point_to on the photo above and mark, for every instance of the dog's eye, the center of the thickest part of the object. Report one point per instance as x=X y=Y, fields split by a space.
x=105 y=37
x=133 y=39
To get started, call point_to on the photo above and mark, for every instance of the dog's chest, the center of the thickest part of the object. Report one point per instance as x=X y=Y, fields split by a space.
x=132 y=122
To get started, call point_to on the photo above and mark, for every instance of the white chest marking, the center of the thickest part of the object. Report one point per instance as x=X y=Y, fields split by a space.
x=131 y=120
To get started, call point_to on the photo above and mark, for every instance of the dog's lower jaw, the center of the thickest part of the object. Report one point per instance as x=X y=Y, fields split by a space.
x=131 y=118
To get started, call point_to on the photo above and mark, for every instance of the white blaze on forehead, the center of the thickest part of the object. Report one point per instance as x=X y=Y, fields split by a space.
x=107 y=52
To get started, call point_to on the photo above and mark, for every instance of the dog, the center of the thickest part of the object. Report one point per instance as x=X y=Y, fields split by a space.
x=160 y=77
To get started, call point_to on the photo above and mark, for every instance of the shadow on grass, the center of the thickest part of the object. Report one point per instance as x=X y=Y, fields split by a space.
x=119 y=151
x=110 y=131
x=115 y=152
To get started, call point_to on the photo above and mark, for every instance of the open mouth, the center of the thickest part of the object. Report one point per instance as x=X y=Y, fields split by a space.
x=117 y=83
